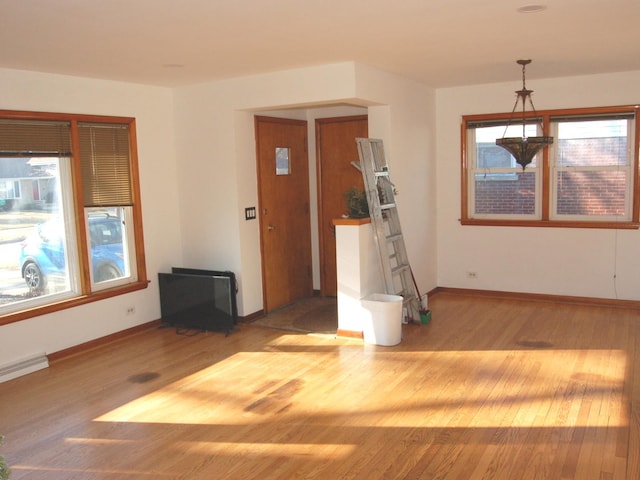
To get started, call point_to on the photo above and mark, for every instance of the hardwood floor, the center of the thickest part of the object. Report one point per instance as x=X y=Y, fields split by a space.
x=490 y=389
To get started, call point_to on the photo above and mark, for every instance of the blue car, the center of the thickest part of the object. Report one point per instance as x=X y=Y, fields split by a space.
x=42 y=253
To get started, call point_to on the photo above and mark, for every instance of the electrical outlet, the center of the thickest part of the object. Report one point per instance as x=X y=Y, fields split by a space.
x=131 y=310
x=472 y=274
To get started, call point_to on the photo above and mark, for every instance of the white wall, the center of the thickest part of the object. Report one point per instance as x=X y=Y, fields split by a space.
x=215 y=138
x=153 y=109
x=558 y=261
x=196 y=151
x=217 y=170
x=405 y=118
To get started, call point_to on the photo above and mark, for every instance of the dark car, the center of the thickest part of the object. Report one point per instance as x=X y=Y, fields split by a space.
x=42 y=253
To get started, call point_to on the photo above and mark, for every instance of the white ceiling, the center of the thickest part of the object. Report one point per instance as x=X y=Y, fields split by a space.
x=437 y=42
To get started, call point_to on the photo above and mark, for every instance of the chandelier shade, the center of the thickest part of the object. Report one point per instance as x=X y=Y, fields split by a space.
x=525 y=148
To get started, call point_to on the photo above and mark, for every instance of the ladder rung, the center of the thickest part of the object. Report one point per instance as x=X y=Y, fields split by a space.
x=381 y=173
x=399 y=269
x=393 y=238
x=408 y=299
x=387 y=206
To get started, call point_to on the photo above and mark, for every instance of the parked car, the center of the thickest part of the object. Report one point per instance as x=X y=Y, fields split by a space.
x=42 y=253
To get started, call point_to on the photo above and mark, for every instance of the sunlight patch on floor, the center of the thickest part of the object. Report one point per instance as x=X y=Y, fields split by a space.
x=273 y=449
x=488 y=386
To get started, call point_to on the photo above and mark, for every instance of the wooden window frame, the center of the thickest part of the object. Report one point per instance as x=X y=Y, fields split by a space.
x=86 y=294
x=545 y=220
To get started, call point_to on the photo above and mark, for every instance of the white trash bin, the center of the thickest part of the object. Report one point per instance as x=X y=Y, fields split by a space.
x=383 y=320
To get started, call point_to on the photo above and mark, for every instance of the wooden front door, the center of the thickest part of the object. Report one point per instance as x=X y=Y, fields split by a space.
x=285 y=228
x=336 y=148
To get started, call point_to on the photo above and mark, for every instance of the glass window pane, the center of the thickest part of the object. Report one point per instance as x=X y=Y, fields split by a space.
x=490 y=155
x=591 y=192
x=34 y=253
x=107 y=244
x=282 y=160
x=592 y=143
x=505 y=194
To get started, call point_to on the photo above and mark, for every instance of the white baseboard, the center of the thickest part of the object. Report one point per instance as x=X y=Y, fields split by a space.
x=23 y=366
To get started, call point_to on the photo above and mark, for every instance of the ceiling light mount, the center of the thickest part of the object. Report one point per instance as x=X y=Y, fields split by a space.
x=524 y=148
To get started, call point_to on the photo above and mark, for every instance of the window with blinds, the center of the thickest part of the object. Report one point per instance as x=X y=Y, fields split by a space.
x=68 y=185
x=586 y=178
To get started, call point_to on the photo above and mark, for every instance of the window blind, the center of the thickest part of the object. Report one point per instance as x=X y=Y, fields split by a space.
x=502 y=123
x=593 y=118
x=105 y=164
x=34 y=138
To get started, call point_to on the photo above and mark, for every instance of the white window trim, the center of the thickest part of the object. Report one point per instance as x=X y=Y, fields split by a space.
x=628 y=169
x=473 y=170
x=128 y=245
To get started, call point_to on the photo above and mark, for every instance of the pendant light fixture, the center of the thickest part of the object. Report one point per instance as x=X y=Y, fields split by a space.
x=523 y=148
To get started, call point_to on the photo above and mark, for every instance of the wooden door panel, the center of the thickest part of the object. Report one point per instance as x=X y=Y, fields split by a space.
x=336 y=149
x=285 y=230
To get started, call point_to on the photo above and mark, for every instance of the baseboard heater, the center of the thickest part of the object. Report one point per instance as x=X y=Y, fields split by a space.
x=23 y=366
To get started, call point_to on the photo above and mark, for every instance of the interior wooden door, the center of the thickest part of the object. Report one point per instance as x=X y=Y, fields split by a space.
x=336 y=148
x=285 y=228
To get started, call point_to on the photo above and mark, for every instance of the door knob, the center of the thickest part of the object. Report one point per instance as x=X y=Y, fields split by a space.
x=271 y=227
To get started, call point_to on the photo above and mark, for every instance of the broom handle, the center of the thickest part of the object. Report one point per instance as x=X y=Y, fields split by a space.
x=416 y=285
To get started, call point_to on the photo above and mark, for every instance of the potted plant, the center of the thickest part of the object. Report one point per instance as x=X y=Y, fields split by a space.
x=357 y=205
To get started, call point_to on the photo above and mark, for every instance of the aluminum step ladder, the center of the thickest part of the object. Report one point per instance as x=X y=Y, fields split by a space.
x=380 y=191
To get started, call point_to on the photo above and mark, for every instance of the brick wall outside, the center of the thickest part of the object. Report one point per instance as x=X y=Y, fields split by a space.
x=579 y=192
x=511 y=193
x=591 y=193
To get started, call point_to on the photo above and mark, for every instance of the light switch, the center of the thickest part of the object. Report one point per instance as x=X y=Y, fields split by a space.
x=250 y=213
